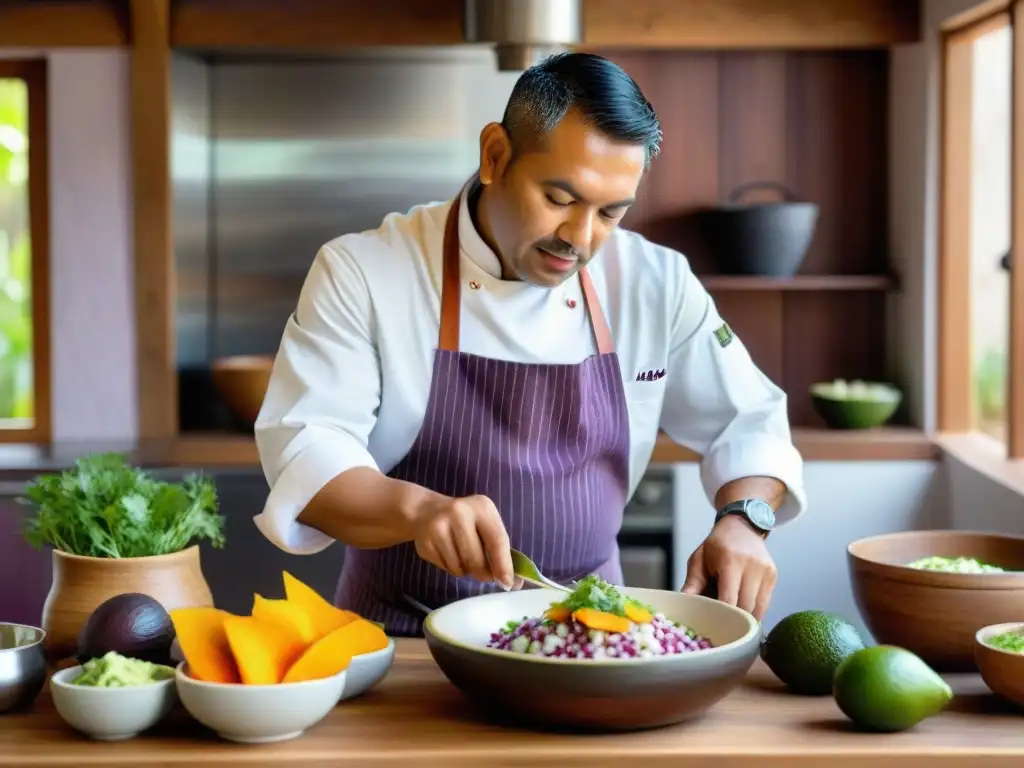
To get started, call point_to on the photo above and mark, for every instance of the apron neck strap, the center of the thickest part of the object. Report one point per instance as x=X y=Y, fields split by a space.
x=451 y=292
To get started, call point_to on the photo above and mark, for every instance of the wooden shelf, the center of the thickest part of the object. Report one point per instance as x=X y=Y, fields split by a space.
x=238 y=451
x=799 y=283
x=882 y=444
x=306 y=24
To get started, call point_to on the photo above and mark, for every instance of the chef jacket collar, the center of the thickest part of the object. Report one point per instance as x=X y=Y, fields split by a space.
x=473 y=245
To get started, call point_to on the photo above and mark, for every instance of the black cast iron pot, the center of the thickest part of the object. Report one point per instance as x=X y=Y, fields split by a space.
x=767 y=239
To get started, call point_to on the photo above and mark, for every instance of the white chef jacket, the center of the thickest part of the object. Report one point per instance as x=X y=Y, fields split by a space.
x=351 y=379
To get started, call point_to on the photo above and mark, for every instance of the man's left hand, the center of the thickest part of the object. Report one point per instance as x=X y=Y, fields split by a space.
x=735 y=555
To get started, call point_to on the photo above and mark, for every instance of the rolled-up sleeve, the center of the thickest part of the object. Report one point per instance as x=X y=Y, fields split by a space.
x=322 y=400
x=719 y=404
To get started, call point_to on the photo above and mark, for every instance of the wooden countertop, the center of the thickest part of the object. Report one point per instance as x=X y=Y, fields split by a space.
x=415 y=717
x=238 y=450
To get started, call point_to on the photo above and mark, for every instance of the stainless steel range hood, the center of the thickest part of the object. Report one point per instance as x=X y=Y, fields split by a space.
x=523 y=31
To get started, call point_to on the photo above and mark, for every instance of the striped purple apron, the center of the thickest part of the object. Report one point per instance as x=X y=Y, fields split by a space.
x=547 y=443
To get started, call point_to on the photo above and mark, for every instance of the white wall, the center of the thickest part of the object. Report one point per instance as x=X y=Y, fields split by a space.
x=91 y=289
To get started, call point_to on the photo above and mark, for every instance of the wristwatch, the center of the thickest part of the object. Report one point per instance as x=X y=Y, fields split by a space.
x=757 y=512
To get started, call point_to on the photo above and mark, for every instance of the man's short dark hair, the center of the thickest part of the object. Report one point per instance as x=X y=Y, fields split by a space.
x=606 y=97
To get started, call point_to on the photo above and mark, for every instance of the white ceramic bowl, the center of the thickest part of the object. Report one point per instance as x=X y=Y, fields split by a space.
x=257 y=714
x=110 y=714
x=368 y=669
x=611 y=694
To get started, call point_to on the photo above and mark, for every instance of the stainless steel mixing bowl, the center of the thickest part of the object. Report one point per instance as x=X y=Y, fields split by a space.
x=22 y=665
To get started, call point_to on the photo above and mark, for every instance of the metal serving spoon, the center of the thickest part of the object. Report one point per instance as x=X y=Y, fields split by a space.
x=524 y=568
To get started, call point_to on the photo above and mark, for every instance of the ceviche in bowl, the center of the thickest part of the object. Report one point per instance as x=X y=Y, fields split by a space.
x=620 y=658
x=598 y=621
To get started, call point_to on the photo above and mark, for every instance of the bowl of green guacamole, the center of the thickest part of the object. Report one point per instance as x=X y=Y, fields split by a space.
x=999 y=651
x=113 y=697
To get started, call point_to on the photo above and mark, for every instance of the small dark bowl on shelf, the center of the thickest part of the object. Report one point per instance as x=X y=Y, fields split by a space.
x=855 y=405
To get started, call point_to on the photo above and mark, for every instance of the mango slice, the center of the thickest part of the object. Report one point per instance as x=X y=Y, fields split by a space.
x=557 y=613
x=605 y=622
x=332 y=653
x=638 y=614
x=325 y=617
x=263 y=650
x=204 y=644
x=287 y=614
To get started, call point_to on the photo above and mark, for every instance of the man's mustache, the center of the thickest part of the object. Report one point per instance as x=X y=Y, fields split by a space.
x=561 y=249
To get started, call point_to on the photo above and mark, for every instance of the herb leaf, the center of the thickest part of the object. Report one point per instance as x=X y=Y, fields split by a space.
x=103 y=507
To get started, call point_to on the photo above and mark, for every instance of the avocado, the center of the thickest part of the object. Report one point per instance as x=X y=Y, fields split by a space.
x=888 y=689
x=132 y=624
x=805 y=648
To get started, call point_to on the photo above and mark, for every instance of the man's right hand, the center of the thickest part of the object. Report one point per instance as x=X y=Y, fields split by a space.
x=465 y=537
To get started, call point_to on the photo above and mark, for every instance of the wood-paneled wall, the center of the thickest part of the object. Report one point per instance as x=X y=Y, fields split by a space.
x=814 y=121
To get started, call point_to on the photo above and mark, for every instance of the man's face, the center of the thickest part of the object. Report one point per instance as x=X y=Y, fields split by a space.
x=551 y=210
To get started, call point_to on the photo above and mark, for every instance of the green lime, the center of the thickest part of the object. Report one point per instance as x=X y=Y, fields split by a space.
x=804 y=650
x=888 y=689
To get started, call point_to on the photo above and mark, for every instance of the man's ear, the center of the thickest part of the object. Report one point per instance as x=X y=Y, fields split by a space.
x=495 y=153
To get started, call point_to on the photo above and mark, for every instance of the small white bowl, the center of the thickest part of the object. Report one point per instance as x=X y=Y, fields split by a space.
x=368 y=669
x=259 y=714
x=110 y=714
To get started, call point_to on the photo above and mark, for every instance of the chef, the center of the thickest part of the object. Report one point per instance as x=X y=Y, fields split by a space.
x=492 y=372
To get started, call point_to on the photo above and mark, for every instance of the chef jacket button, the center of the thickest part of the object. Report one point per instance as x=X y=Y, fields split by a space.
x=571 y=303
x=474 y=284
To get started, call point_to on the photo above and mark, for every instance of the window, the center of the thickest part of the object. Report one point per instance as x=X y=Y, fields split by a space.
x=981 y=308
x=24 y=236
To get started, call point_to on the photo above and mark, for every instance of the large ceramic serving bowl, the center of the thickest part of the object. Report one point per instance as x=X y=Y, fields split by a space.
x=936 y=615
x=604 y=695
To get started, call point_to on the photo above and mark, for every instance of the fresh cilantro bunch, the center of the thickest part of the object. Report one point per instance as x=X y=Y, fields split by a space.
x=105 y=508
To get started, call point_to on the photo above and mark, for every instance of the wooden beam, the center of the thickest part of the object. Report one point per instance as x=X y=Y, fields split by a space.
x=720 y=24
x=725 y=24
x=60 y=23
x=309 y=24
x=1015 y=390
x=154 y=255
x=955 y=393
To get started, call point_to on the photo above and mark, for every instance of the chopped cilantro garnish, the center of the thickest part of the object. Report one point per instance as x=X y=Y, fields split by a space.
x=596 y=593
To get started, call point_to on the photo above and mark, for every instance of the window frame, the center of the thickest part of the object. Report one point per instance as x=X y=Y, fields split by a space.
x=33 y=72
x=955 y=390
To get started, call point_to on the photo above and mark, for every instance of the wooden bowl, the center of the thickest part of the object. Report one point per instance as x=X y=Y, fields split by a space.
x=606 y=695
x=1002 y=671
x=242 y=381
x=936 y=615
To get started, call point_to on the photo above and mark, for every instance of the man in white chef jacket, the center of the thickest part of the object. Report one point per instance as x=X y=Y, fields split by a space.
x=492 y=372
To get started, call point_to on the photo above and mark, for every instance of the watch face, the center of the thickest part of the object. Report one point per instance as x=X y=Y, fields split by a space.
x=761 y=514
